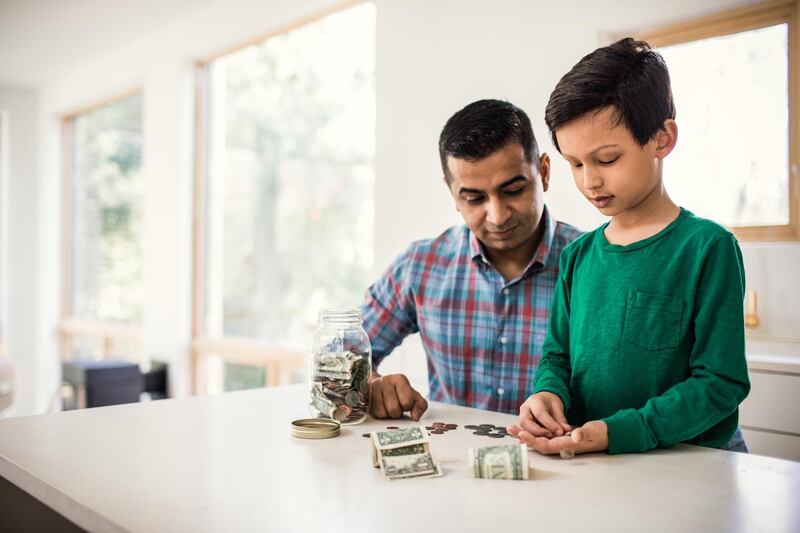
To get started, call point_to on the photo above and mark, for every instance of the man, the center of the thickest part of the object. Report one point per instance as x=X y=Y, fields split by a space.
x=479 y=294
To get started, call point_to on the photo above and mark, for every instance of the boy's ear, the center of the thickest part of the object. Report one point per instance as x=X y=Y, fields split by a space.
x=666 y=138
x=544 y=171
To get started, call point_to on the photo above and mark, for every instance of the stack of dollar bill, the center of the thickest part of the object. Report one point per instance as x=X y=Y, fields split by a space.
x=340 y=387
x=499 y=462
x=404 y=453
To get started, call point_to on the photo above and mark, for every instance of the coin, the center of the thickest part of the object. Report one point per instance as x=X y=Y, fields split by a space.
x=392 y=427
x=566 y=453
x=471 y=426
x=352 y=398
x=438 y=424
x=481 y=433
x=438 y=432
x=367 y=435
x=487 y=426
x=496 y=435
x=451 y=426
x=342 y=412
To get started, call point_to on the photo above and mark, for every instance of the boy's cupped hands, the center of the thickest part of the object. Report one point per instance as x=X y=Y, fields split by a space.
x=543 y=427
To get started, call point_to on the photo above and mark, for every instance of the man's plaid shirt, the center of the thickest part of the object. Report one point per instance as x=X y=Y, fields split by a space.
x=483 y=335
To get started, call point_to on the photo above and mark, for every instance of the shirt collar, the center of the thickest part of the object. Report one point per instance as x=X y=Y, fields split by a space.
x=540 y=256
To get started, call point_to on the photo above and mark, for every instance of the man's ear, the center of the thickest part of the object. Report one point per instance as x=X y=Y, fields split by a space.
x=666 y=138
x=544 y=170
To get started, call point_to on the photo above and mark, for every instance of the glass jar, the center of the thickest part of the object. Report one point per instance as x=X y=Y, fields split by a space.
x=339 y=367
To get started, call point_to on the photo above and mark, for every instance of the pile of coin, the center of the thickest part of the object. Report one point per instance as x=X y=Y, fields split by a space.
x=440 y=428
x=340 y=386
x=489 y=430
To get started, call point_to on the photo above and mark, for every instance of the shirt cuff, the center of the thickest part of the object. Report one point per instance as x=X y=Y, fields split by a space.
x=628 y=432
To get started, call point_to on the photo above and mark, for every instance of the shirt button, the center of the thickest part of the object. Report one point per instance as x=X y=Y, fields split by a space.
x=503 y=340
x=506 y=292
x=500 y=391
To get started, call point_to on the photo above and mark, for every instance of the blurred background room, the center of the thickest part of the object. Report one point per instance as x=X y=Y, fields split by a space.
x=184 y=184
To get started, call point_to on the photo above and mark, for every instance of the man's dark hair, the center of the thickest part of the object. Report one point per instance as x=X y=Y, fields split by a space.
x=627 y=76
x=484 y=127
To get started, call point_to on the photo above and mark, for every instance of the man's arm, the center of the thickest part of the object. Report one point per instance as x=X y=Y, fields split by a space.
x=389 y=316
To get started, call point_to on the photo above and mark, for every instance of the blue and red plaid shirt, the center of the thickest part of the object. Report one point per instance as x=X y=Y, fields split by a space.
x=483 y=335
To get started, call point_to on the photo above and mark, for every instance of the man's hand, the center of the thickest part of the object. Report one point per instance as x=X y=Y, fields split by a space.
x=591 y=437
x=391 y=395
x=541 y=415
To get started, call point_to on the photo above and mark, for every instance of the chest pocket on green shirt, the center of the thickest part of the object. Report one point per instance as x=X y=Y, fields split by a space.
x=653 y=321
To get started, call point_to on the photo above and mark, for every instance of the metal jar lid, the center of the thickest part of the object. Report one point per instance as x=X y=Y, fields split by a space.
x=315 y=428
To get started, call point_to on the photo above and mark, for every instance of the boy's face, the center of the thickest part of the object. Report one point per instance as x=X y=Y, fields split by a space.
x=613 y=171
x=500 y=196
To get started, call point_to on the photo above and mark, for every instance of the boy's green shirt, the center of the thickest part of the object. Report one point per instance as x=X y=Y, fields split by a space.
x=649 y=337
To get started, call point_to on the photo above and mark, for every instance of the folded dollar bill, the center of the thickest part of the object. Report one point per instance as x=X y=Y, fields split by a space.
x=499 y=462
x=404 y=453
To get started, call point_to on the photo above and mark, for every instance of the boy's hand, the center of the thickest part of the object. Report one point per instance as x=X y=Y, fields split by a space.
x=542 y=415
x=591 y=437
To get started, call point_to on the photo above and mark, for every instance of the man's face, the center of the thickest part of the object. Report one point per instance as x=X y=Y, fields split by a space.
x=611 y=169
x=500 y=196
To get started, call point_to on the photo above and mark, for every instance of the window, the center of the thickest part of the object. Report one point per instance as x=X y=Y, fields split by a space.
x=734 y=80
x=102 y=300
x=285 y=188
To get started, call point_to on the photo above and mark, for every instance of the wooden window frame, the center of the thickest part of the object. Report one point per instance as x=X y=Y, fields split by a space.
x=278 y=363
x=70 y=326
x=738 y=20
x=3 y=231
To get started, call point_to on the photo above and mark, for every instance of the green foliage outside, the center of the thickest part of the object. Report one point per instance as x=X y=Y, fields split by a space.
x=107 y=219
x=292 y=181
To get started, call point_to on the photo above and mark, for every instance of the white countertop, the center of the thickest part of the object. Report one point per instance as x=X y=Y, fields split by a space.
x=229 y=463
x=773 y=356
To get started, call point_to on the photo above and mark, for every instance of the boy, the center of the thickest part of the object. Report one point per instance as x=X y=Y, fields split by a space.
x=646 y=341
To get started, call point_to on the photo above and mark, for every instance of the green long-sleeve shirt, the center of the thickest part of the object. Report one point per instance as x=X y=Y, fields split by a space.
x=649 y=337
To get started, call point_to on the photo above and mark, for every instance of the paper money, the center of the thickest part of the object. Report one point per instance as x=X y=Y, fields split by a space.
x=404 y=453
x=499 y=462
x=320 y=402
x=340 y=386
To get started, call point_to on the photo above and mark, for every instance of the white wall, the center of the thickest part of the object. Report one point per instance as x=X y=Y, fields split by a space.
x=433 y=57
x=19 y=108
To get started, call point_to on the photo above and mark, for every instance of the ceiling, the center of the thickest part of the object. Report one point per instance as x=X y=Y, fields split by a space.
x=41 y=40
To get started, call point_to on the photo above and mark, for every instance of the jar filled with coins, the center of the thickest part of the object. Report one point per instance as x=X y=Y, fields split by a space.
x=339 y=367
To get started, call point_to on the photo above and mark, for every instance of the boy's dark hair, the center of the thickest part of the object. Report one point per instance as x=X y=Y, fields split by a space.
x=484 y=127
x=627 y=75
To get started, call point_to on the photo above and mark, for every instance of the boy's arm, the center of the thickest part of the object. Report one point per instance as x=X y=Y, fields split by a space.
x=718 y=381
x=553 y=373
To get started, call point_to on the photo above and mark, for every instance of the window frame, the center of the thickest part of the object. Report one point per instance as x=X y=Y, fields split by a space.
x=3 y=231
x=277 y=362
x=739 y=20
x=70 y=326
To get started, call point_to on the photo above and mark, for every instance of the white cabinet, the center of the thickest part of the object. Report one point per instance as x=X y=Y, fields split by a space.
x=770 y=415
